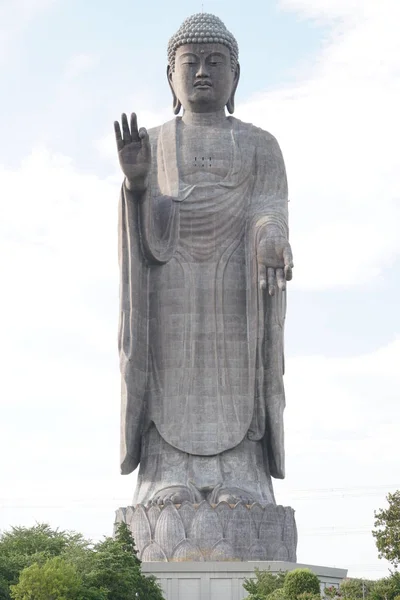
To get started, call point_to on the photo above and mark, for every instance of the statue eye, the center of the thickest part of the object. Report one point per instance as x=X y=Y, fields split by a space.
x=189 y=61
x=214 y=61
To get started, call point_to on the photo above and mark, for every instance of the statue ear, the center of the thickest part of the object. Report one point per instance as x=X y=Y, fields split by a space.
x=176 y=103
x=230 y=105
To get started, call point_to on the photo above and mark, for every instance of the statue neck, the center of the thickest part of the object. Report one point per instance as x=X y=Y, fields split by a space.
x=206 y=119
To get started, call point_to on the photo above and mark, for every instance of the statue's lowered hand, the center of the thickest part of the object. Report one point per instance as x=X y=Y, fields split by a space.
x=134 y=153
x=275 y=260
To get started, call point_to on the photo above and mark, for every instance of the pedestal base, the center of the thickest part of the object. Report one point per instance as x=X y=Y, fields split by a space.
x=208 y=532
x=224 y=581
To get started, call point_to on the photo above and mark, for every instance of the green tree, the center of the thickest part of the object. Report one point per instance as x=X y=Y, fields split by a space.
x=56 y=579
x=387 y=534
x=356 y=589
x=278 y=594
x=40 y=563
x=117 y=569
x=309 y=596
x=264 y=584
x=301 y=581
x=23 y=546
x=332 y=592
x=386 y=588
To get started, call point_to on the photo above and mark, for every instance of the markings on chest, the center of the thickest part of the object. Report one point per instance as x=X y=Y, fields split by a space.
x=203 y=162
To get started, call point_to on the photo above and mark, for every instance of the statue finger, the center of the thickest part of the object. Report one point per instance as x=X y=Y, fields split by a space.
x=144 y=136
x=288 y=273
x=288 y=260
x=280 y=279
x=288 y=256
x=134 y=128
x=118 y=136
x=262 y=276
x=125 y=129
x=271 y=281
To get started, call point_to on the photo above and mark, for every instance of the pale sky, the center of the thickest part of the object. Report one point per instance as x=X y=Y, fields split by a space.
x=323 y=77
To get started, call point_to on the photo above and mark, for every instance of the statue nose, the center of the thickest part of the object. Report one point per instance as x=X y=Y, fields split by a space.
x=202 y=71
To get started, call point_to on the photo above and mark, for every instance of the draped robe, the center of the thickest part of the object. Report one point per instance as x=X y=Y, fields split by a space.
x=201 y=345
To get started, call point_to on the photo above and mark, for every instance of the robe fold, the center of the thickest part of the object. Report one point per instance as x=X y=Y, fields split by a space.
x=201 y=345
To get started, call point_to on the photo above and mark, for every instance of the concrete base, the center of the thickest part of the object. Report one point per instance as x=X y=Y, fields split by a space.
x=223 y=580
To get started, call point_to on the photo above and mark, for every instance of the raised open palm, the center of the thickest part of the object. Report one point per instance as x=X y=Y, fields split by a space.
x=134 y=152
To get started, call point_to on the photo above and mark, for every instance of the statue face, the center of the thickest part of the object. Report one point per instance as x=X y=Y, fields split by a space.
x=203 y=79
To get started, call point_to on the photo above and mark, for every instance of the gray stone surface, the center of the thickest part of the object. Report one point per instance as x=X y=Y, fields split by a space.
x=204 y=532
x=204 y=259
x=224 y=581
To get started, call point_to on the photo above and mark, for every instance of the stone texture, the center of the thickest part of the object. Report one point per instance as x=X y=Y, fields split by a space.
x=212 y=533
x=204 y=259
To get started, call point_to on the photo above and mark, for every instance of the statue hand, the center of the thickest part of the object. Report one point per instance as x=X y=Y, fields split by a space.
x=134 y=153
x=275 y=260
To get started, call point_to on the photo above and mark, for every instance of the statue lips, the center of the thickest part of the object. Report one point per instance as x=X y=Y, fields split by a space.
x=202 y=84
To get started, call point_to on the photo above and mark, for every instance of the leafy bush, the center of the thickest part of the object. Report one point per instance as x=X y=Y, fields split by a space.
x=309 y=596
x=386 y=588
x=56 y=578
x=332 y=592
x=277 y=594
x=301 y=581
x=264 y=584
x=387 y=532
x=39 y=563
x=353 y=588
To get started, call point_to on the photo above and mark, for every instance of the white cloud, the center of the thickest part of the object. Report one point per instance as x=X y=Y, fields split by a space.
x=338 y=128
x=60 y=384
x=58 y=240
x=330 y=9
x=342 y=430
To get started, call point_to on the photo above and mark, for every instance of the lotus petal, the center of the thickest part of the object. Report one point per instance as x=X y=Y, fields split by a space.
x=257 y=513
x=257 y=551
x=153 y=553
x=281 y=510
x=222 y=550
x=270 y=528
x=186 y=550
x=290 y=533
x=187 y=513
x=120 y=515
x=152 y=514
x=206 y=528
x=130 y=511
x=224 y=513
x=169 y=530
x=241 y=532
x=278 y=551
x=140 y=528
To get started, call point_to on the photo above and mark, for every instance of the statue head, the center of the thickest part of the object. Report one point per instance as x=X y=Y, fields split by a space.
x=203 y=69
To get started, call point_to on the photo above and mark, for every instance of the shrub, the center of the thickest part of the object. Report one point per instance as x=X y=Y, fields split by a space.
x=277 y=594
x=264 y=584
x=301 y=581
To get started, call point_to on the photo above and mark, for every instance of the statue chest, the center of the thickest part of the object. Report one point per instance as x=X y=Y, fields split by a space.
x=204 y=154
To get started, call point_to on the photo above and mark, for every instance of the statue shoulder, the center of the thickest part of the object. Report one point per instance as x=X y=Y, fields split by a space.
x=261 y=137
x=154 y=132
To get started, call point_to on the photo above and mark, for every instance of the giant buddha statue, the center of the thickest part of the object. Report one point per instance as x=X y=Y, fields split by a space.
x=204 y=259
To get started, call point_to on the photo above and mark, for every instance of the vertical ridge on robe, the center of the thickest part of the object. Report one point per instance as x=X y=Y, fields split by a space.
x=133 y=331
